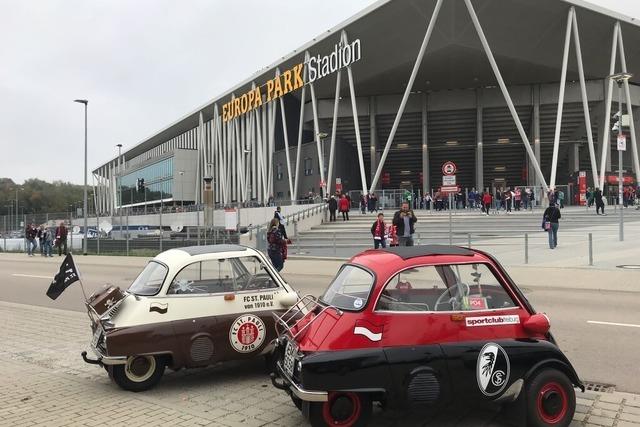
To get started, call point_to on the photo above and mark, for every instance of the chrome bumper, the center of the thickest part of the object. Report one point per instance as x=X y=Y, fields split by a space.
x=102 y=359
x=300 y=393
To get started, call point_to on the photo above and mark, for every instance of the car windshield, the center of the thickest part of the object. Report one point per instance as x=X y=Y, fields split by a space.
x=350 y=289
x=150 y=280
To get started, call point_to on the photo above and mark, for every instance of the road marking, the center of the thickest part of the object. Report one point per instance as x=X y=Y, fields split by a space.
x=628 y=325
x=31 y=275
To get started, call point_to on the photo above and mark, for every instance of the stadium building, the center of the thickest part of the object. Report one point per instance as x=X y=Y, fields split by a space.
x=514 y=92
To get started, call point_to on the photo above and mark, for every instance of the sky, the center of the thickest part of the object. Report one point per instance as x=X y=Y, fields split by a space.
x=141 y=64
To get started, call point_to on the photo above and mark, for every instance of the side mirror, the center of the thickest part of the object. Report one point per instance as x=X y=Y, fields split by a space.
x=289 y=299
x=538 y=324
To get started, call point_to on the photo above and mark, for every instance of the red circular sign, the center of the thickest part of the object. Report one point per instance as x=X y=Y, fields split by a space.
x=449 y=168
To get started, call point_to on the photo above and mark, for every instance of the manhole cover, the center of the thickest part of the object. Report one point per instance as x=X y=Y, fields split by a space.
x=629 y=266
x=599 y=387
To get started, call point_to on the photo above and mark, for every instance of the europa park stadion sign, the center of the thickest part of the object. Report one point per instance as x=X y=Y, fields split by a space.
x=315 y=68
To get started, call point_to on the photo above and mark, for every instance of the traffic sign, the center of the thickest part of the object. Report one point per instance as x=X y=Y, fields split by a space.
x=622 y=143
x=449 y=168
x=448 y=180
x=449 y=189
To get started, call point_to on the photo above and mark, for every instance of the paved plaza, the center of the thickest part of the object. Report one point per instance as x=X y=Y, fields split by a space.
x=46 y=383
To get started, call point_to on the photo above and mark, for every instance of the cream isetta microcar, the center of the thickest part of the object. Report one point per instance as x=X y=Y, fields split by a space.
x=189 y=307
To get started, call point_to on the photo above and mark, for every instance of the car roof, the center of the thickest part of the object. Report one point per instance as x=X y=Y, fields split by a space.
x=390 y=260
x=190 y=253
x=407 y=252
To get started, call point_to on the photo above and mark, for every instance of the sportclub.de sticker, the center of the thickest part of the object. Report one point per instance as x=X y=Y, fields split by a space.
x=247 y=333
x=492 y=369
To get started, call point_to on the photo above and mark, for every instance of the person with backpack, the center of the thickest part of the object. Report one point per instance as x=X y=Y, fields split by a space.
x=379 y=232
x=550 y=223
x=597 y=196
x=333 y=207
x=281 y=221
x=276 y=244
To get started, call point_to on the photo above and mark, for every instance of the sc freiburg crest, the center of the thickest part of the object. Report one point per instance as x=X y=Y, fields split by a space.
x=492 y=370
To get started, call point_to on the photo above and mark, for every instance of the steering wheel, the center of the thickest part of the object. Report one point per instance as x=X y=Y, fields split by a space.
x=454 y=298
x=256 y=282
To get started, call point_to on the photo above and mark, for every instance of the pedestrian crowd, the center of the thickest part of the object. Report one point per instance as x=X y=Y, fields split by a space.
x=46 y=238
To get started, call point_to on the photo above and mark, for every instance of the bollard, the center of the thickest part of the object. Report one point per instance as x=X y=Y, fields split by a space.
x=334 y=242
x=590 y=249
x=469 y=240
x=526 y=248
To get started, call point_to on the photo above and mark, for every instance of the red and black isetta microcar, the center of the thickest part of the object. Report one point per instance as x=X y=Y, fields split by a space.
x=421 y=327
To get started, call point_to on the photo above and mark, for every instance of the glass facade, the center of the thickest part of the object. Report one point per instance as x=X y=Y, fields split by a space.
x=158 y=181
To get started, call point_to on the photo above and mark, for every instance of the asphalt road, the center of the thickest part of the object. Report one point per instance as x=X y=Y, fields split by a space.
x=601 y=352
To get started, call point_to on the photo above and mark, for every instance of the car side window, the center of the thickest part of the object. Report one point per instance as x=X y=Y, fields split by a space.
x=463 y=287
x=222 y=276
x=204 y=277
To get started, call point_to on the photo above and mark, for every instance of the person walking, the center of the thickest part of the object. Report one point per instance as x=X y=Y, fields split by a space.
x=373 y=202
x=517 y=198
x=550 y=223
x=333 y=207
x=31 y=233
x=404 y=221
x=363 y=204
x=486 y=202
x=47 y=241
x=61 y=238
x=508 y=199
x=427 y=201
x=597 y=196
x=589 y=197
x=277 y=244
x=561 y=198
x=40 y=236
x=344 y=208
x=278 y=215
x=379 y=232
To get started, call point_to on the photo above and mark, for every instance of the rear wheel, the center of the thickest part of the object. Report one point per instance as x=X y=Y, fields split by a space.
x=551 y=399
x=345 y=409
x=139 y=373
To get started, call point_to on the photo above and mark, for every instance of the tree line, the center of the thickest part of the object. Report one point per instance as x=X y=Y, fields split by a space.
x=38 y=196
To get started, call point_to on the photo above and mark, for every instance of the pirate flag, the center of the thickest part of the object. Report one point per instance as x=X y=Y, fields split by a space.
x=65 y=277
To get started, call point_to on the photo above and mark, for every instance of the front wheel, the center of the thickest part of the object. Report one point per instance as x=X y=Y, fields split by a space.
x=344 y=409
x=140 y=373
x=551 y=399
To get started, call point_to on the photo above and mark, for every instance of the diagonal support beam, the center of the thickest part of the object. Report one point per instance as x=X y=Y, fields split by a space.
x=627 y=92
x=563 y=81
x=606 y=136
x=294 y=196
x=407 y=92
x=585 y=100
x=356 y=121
x=505 y=93
x=316 y=128
x=334 y=126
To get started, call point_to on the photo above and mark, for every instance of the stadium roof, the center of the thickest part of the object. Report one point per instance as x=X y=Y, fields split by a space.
x=526 y=37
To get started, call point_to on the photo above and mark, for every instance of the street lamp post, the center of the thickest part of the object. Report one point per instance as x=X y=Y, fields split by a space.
x=620 y=79
x=84 y=204
x=181 y=173
x=120 y=183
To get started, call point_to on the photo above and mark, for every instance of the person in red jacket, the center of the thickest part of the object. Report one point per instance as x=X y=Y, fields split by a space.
x=344 y=208
x=486 y=201
x=379 y=232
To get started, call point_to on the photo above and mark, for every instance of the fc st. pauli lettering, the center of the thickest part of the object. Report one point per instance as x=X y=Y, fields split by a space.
x=293 y=79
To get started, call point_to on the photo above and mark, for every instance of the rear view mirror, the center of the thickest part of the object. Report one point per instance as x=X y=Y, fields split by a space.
x=289 y=299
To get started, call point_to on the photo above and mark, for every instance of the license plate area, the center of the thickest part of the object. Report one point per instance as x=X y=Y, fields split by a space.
x=290 y=358
x=97 y=334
